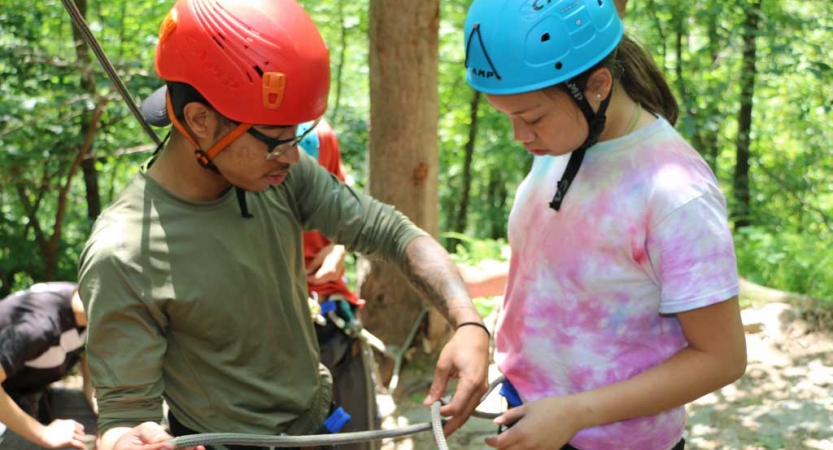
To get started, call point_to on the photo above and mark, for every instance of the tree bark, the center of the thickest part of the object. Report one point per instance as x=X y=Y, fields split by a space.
x=621 y=5
x=403 y=160
x=82 y=52
x=705 y=135
x=743 y=207
x=757 y=294
x=460 y=220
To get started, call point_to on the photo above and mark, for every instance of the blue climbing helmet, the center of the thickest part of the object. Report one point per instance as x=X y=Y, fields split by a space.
x=310 y=143
x=516 y=46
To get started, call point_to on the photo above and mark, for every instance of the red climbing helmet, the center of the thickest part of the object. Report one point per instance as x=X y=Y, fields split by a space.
x=260 y=62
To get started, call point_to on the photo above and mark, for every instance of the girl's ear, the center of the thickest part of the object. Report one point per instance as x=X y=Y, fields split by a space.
x=599 y=85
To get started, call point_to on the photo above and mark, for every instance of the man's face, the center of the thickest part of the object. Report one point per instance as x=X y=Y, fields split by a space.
x=248 y=164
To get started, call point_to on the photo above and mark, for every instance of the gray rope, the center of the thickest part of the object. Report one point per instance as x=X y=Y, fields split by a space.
x=268 y=440
x=437 y=426
x=90 y=39
x=488 y=415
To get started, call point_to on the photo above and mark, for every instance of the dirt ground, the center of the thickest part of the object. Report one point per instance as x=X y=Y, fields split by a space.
x=785 y=400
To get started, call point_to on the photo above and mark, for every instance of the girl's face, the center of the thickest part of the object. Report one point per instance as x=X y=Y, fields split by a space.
x=546 y=122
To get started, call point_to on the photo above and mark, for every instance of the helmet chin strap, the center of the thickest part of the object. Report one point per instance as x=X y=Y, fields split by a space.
x=596 y=124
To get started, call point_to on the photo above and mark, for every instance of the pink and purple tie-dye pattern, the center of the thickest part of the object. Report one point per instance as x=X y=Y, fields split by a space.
x=642 y=234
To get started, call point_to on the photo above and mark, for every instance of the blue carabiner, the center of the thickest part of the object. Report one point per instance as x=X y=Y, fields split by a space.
x=510 y=394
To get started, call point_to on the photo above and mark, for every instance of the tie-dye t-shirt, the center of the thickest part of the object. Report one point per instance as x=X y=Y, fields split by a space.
x=593 y=288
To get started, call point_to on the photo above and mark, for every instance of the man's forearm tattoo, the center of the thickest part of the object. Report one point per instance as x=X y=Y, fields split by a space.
x=435 y=276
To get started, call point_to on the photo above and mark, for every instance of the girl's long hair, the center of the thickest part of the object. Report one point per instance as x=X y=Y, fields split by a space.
x=642 y=79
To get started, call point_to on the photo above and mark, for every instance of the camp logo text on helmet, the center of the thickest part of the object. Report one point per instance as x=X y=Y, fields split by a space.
x=256 y=61
x=515 y=46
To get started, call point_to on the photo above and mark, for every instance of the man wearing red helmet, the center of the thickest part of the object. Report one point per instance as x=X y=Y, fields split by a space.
x=190 y=302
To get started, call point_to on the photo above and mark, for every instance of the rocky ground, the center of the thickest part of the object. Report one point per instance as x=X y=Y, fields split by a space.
x=785 y=400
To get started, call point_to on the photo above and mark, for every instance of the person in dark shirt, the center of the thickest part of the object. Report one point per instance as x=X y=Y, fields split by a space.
x=42 y=332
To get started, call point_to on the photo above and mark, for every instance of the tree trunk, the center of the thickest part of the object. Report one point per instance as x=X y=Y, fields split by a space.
x=743 y=208
x=342 y=53
x=705 y=135
x=757 y=294
x=460 y=220
x=82 y=52
x=403 y=160
x=497 y=196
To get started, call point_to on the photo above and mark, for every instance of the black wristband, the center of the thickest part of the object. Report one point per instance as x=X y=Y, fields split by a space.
x=477 y=324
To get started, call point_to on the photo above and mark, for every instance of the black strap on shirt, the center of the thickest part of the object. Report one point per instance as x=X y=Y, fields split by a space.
x=596 y=124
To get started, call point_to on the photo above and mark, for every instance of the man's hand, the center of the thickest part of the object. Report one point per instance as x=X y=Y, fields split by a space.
x=328 y=265
x=466 y=356
x=147 y=436
x=63 y=433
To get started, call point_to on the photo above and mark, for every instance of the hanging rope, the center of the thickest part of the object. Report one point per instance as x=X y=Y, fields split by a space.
x=90 y=39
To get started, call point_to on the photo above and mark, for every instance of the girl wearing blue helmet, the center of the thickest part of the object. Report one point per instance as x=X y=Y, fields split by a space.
x=621 y=300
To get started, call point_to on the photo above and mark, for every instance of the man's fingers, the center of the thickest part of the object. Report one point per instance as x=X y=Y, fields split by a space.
x=441 y=376
x=465 y=401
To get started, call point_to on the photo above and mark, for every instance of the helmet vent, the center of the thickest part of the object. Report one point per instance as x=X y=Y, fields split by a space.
x=545 y=37
x=219 y=42
x=558 y=65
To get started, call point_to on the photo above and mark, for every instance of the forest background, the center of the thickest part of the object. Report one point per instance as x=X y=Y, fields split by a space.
x=753 y=79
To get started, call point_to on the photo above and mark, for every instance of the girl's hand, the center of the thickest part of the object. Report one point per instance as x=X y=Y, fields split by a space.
x=546 y=424
x=328 y=265
x=64 y=433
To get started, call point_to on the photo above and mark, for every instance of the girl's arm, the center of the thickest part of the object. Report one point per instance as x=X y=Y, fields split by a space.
x=715 y=357
x=58 y=434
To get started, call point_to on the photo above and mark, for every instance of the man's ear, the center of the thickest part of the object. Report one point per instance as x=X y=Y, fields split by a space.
x=599 y=85
x=200 y=120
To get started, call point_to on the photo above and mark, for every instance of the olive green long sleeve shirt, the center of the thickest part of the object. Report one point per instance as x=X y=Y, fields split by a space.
x=196 y=304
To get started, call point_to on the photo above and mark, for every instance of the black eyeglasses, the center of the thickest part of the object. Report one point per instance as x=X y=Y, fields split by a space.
x=277 y=147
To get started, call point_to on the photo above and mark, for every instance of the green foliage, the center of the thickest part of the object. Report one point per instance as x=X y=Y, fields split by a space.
x=787 y=261
x=45 y=108
x=473 y=251
x=44 y=113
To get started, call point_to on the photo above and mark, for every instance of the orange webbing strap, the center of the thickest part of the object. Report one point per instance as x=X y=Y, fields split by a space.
x=227 y=139
x=205 y=157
